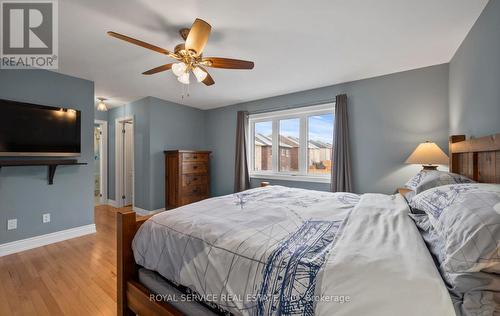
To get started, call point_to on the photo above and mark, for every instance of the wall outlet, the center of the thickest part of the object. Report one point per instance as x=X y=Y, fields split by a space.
x=46 y=218
x=12 y=224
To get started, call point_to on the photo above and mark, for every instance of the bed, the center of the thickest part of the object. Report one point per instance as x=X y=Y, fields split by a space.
x=284 y=251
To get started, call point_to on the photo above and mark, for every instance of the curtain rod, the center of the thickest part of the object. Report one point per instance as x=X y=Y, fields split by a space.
x=289 y=107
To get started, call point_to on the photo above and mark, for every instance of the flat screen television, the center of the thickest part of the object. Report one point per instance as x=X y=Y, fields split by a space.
x=36 y=130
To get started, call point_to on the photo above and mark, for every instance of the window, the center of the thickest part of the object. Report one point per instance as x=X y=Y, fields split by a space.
x=292 y=144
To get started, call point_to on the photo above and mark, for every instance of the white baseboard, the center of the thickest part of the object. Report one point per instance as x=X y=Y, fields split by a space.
x=112 y=203
x=144 y=212
x=42 y=240
x=159 y=210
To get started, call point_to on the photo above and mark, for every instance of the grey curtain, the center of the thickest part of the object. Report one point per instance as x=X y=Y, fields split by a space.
x=241 y=177
x=341 y=158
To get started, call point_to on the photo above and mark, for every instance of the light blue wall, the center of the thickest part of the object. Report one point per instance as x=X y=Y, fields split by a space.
x=172 y=126
x=159 y=125
x=475 y=78
x=24 y=192
x=103 y=116
x=388 y=117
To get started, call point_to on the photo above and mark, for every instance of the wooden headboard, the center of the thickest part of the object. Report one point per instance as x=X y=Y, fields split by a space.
x=476 y=158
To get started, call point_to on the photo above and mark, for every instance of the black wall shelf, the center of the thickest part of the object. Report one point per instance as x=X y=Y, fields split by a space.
x=51 y=165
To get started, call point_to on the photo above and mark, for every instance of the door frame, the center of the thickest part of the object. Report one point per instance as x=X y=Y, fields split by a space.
x=103 y=162
x=119 y=189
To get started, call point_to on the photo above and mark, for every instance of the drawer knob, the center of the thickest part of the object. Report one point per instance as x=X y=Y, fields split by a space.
x=195 y=157
x=195 y=167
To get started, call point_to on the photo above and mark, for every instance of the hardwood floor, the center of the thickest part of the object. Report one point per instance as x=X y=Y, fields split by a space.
x=72 y=277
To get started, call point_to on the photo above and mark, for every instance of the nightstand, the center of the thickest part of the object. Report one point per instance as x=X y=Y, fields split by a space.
x=404 y=192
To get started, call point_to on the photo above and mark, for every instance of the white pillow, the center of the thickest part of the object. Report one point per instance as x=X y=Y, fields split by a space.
x=466 y=241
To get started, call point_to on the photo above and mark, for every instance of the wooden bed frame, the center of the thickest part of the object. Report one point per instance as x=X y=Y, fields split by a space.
x=477 y=158
x=133 y=298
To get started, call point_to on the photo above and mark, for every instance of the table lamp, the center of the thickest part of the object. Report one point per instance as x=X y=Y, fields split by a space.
x=429 y=155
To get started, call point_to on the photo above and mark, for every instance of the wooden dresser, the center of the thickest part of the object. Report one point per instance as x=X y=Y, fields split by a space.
x=187 y=177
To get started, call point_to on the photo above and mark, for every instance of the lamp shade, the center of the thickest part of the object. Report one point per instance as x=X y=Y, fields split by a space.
x=101 y=106
x=179 y=68
x=428 y=153
x=199 y=74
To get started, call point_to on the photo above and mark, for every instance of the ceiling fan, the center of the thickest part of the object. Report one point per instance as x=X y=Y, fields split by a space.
x=189 y=55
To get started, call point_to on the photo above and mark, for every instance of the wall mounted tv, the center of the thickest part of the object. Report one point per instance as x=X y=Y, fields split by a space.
x=36 y=130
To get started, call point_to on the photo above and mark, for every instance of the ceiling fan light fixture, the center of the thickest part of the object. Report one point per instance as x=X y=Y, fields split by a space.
x=184 y=78
x=200 y=74
x=179 y=69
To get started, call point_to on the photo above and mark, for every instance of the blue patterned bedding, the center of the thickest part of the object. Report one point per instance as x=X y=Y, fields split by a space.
x=284 y=251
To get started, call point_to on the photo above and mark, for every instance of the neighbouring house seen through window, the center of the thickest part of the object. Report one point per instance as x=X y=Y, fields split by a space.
x=289 y=144
x=319 y=145
x=263 y=146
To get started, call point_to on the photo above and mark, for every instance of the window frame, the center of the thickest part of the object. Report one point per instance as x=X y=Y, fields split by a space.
x=303 y=114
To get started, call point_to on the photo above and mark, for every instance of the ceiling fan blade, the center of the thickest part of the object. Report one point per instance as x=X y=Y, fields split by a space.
x=142 y=44
x=158 y=69
x=227 y=63
x=208 y=80
x=198 y=36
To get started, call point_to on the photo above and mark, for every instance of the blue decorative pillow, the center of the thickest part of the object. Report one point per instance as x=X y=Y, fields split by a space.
x=425 y=180
x=465 y=220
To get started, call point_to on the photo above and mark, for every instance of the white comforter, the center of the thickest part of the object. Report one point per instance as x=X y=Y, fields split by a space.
x=283 y=251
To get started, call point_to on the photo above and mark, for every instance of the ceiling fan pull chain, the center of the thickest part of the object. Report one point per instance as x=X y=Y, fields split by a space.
x=184 y=91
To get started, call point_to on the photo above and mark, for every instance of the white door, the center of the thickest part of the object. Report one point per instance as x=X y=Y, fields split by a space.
x=128 y=171
x=97 y=165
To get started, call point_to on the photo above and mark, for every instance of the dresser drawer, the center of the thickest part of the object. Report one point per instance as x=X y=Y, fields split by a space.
x=193 y=179
x=191 y=199
x=193 y=190
x=194 y=157
x=194 y=167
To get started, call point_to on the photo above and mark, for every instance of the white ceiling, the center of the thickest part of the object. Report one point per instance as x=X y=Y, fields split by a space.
x=296 y=45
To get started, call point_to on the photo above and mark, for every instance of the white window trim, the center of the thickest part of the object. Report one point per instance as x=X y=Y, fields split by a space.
x=301 y=113
x=290 y=177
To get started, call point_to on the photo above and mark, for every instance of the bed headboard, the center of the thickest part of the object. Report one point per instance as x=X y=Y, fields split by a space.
x=476 y=158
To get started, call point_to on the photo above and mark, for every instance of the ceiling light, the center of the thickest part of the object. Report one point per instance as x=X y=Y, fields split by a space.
x=179 y=69
x=200 y=74
x=101 y=106
x=184 y=78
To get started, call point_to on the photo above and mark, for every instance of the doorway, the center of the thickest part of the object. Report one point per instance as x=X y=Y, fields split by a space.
x=124 y=138
x=100 y=162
